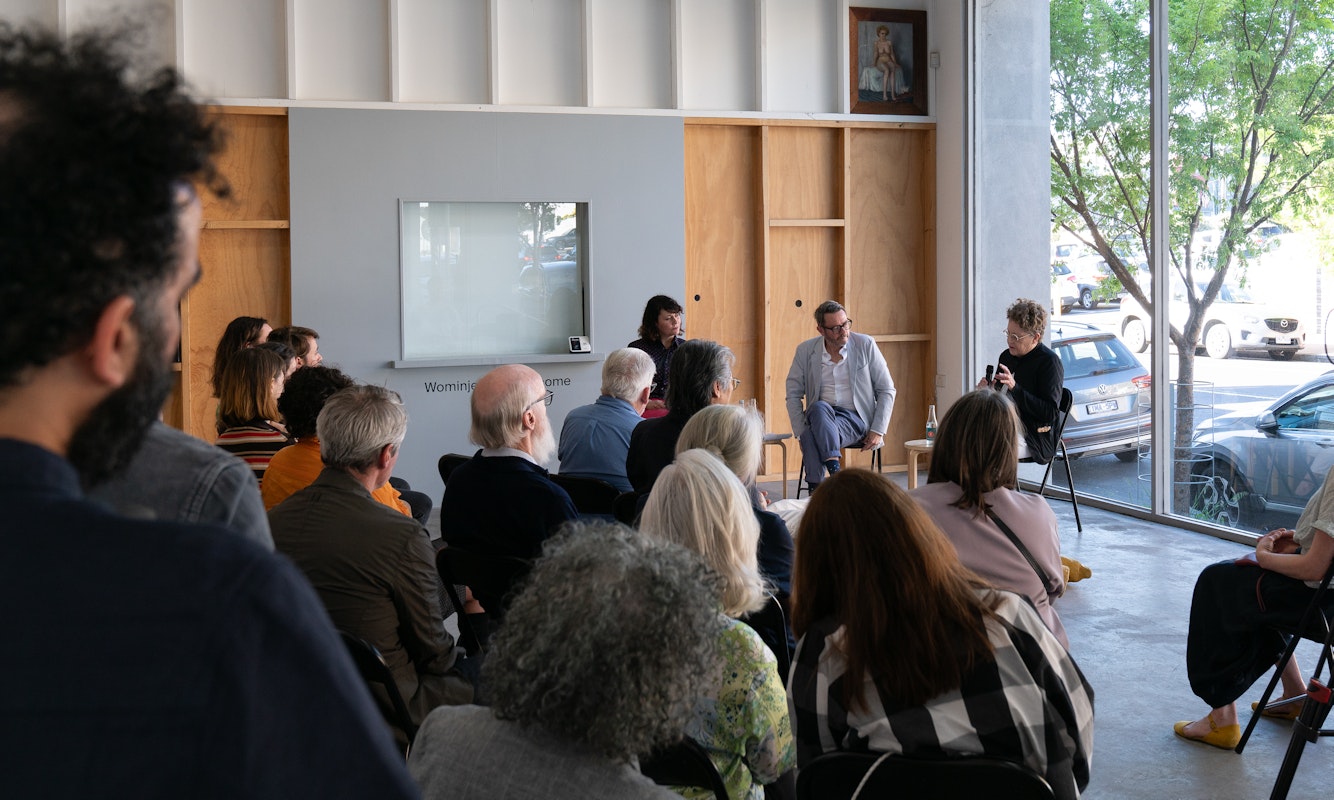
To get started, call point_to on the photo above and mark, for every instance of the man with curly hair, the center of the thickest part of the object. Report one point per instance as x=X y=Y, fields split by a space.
x=142 y=658
x=602 y=657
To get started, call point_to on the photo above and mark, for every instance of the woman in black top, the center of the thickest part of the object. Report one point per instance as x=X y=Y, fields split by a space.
x=1033 y=375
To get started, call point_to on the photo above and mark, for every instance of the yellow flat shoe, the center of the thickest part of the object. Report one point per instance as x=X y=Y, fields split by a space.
x=1283 y=709
x=1077 y=571
x=1224 y=738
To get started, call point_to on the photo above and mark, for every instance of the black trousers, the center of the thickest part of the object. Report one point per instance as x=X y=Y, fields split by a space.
x=1232 y=641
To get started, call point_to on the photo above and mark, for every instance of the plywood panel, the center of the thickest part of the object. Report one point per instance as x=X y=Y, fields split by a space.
x=911 y=364
x=890 y=222
x=255 y=163
x=246 y=273
x=803 y=266
x=723 y=300
x=804 y=174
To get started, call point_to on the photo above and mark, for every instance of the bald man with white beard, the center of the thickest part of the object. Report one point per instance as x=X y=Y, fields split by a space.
x=502 y=502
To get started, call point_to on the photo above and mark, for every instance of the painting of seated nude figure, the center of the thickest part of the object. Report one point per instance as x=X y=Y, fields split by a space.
x=888 y=54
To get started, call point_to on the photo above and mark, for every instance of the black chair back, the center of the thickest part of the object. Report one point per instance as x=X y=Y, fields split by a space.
x=1067 y=401
x=837 y=776
x=492 y=578
x=376 y=672
x=771 y=624
x=626 y=508
x=590 y=495
x=448 y=463
x=683 y=764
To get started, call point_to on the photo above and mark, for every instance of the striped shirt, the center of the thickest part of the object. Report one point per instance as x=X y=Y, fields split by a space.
x=254 y=443
x=1031 y=704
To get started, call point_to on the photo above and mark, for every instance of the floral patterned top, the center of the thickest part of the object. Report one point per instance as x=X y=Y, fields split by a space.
x=743 y=723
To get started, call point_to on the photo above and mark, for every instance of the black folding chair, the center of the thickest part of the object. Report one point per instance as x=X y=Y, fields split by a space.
x=492 y=579
x=626 y=508
x=1309 y=724
x=842 y=776
x=448 y=463
x=771 y=624
x=1067 y=400
x=375 y=672
x=877 y=464
x=590 y=495
x=683 y=764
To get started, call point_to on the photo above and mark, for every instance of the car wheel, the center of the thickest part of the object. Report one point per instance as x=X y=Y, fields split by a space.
x=1218 y=341
x=1086 y=299
x=1217 y=493
x=1127 y=456
x=1282 y=355
x=1135 y=336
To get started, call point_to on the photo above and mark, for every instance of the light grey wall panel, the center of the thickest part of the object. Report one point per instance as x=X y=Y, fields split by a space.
x=350 y=169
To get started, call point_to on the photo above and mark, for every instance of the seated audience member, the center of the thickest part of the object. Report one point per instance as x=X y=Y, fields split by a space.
x=501 y=502
x=141 y=658
x=1232 y=640
x=972 y=490
x=296 y=467
x=241 y=333
x=1032 y=374
x=305 y=342
x=736 y=435
x=175 y=476
x=659 y=336
x=373 y=567
x=595 y=439
x=287 y=354
x=703 y=371
x=742 y=720
x=645 y=635
x=904 y=650
x=839 y=393
x=248 y=409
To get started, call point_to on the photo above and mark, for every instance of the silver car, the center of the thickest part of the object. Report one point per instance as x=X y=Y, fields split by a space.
x=1110 y=413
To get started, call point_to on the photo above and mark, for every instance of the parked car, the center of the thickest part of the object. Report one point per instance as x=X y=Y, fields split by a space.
x=1258 y=465
x=1235 y=321
x=1064 y=290
x=1110 y=413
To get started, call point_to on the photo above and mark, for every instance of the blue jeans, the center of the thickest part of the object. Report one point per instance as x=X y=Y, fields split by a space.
x=828 y=430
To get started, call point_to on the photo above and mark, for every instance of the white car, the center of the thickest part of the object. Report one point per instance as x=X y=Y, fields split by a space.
x=1234 y=322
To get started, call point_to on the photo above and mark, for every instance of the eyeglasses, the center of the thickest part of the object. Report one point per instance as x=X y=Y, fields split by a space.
x=736 y=382
x=846 y=326
x=544 y=399
x=1014 y=337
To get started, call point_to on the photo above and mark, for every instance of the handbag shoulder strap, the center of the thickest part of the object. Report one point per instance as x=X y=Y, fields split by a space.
x=1032 y=562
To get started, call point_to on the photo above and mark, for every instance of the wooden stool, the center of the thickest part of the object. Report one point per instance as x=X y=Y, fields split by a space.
x=777 y=438
x=915 y=448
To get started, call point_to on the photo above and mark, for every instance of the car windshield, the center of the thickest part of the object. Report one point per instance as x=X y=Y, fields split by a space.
x=1094 y=356
x=1228 y=293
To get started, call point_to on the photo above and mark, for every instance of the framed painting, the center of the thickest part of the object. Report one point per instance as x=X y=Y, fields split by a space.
x=889 y=60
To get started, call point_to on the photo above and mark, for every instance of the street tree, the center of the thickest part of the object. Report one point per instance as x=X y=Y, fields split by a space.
x=1250 y=98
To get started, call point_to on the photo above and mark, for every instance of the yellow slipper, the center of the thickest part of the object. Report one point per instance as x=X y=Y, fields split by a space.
x=1282 y=709
x=1077 y=571
x=1224 y=738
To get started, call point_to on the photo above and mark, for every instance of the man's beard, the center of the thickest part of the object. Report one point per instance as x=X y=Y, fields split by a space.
x=109 y=438
x=544 y=444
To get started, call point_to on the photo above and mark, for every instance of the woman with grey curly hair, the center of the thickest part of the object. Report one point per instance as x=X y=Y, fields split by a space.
x=602 y=656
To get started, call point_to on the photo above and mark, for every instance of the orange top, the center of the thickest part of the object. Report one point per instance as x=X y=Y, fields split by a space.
x=296 y=466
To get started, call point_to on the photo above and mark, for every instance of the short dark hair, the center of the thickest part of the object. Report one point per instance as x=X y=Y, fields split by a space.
x=658 y=303
x=696 y=367
x=304 y=395
x=92 y=166
x=827 y=307
x=295 y=337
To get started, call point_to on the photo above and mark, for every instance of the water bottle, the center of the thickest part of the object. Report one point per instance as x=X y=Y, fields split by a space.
x=931 y=424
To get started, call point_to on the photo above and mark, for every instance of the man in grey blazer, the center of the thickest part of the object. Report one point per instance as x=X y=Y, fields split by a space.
x=848 y=393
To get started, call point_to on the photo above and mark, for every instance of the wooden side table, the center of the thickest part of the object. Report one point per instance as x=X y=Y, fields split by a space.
x=915 y=448
x=778 y=439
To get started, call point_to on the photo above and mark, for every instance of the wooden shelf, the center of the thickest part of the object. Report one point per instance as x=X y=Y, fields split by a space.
x=806 y=223
x=248 y=224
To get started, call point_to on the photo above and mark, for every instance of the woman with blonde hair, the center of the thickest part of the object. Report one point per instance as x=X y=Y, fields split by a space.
x=248 y=426
x=736 y=435
x=903 y=649
x=743 y=720
x=1006 y=536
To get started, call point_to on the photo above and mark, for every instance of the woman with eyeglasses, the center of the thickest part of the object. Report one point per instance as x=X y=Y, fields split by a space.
x=659 y=336
x=1032 y=374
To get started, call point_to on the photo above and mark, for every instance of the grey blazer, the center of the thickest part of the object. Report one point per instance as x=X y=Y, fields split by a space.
x=872 y=387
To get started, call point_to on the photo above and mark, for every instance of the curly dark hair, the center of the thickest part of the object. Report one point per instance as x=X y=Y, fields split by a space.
x=648 y=325
x=304 y=395
x=92 y=163
x=610 y=642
